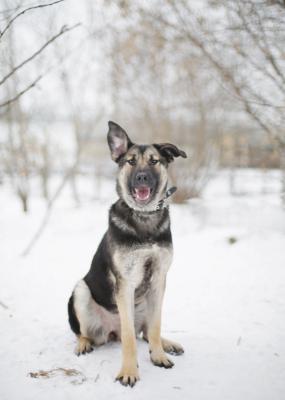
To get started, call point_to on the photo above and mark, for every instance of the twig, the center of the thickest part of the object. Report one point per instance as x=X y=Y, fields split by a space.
x=23 y=12
x=225 y=73
x=3 y=305
x=33 y=84
x=52 y=201
x=47 y=214
x=70 y=53
x=63 y=30
x=53 y=372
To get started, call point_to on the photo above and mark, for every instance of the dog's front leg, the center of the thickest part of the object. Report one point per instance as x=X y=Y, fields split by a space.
x=128 y=374
x=154 y=304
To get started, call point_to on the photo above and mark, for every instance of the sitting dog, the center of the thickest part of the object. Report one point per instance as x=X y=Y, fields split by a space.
x=121 y=296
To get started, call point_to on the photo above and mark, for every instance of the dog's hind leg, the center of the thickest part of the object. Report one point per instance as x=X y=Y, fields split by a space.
x=84 y=345
x=170 y=347
x=84 y=321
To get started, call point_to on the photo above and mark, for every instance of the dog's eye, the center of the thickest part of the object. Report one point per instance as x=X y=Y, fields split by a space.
x=153 y=161
x=132 y=161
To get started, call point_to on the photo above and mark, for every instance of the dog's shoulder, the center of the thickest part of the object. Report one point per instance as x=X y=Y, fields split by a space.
x=100 y=278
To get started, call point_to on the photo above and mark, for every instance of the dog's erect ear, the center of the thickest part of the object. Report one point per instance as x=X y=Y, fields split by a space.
x=118 y=141
x=169 y=151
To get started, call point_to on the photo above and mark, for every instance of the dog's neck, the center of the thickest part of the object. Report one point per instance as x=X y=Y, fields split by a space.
x=143 y=226
x=143 y=214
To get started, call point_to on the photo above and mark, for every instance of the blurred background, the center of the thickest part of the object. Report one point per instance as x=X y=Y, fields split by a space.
x=207 y=75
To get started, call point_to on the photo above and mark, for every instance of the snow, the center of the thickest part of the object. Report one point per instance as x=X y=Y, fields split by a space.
x=224 y=302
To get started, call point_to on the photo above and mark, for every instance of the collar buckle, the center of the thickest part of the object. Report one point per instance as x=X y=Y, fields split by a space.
x=162 y=203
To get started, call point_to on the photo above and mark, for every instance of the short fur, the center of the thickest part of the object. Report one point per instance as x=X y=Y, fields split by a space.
x=121 y=296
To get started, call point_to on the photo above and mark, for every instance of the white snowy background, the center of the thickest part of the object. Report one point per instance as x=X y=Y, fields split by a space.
x=224 y=302
x=225 y=296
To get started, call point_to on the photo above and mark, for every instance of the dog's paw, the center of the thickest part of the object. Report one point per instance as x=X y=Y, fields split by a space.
x=172 y=348
x=84 y=346
x=159 y=359
x=128 y=376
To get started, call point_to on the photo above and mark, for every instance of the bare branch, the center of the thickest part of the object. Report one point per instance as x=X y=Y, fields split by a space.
x=226 y=75
x=3 y=305
x=33 y=84
x=261 y=43
x=49 y=208
x=23 y=12
x=63 y=30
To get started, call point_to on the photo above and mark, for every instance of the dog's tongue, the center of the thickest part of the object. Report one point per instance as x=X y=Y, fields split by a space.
x=142 y=193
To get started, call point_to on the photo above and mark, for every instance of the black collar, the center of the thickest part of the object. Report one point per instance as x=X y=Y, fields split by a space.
x=161 y=204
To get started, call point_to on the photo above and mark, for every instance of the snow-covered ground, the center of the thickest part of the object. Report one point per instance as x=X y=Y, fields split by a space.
x=225 y=299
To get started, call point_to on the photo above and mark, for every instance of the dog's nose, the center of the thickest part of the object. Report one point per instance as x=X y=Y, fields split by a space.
x=142 y=178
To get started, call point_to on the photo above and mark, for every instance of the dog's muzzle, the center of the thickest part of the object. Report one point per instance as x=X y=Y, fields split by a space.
x=143 y=186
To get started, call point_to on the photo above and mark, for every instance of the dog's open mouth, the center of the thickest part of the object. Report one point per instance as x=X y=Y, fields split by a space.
x=142 y=193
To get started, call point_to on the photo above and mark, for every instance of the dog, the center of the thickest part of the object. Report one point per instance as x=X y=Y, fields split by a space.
x=122 y=294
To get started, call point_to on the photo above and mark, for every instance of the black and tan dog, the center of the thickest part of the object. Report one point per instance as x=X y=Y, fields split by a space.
x=121 y=296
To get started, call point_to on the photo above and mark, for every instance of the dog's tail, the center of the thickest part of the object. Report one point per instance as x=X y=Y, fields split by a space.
x=73 y=320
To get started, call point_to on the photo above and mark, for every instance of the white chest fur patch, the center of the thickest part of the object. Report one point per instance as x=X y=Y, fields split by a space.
x=130 y=263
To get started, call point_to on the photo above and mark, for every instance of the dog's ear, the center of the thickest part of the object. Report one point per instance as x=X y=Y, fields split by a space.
x=169 y=151
x=118 y=141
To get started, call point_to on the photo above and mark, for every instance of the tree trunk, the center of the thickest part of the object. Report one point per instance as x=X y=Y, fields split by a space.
x=24 y=201
x=74 y=189
x=282 y=167
x=233 y=166
x=45 y=187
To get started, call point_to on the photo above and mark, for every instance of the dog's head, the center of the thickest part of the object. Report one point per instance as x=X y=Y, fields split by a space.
x=142 y=175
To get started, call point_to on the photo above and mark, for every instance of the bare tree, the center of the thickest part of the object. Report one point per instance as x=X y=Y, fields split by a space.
x=9 y=24
x=16 y=157
x=19 y=152
x=45 y=165
x=246 y=54
x=240 y=45
x=166 y=87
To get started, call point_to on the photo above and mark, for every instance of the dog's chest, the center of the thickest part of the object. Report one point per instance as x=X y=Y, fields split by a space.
x=140 y=266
